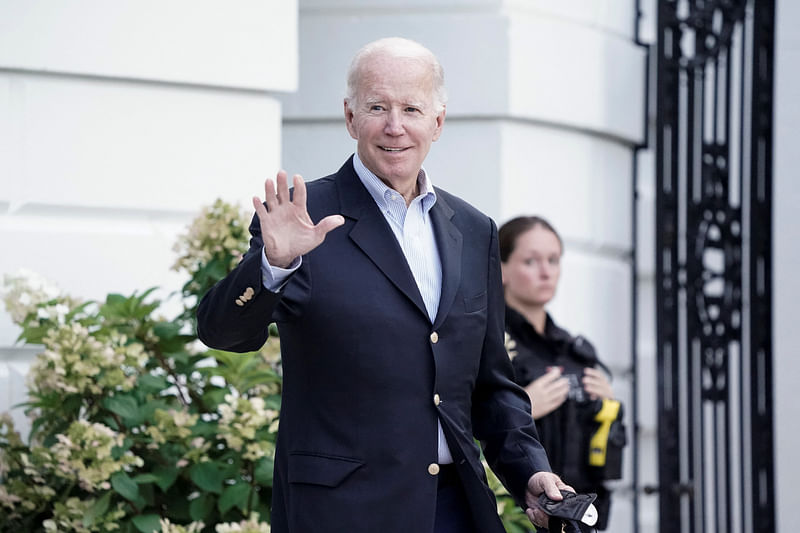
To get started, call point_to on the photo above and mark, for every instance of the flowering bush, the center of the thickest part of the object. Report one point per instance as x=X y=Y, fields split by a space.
x=136 y=426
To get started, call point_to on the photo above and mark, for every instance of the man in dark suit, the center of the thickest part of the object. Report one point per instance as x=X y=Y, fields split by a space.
x=388 y=299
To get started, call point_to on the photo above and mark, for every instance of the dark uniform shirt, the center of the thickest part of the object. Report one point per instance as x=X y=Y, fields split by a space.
x=563 y=432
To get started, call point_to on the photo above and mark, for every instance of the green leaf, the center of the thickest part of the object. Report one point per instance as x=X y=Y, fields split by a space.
x=201 y=507
x=166 y=330
x=213 y=397
x=234 y=496
x=147 y=523
x=151 y=383
x=98 y=508
x=125 y=486
x=114 y=299
x=207 y=476
x=263 y=471
x=124 y=406
x=165 y=477
x=145 y=478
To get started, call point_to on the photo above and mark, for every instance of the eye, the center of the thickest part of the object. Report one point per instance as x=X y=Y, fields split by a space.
x=376 y=107
x=554 y=260
x=412 y=109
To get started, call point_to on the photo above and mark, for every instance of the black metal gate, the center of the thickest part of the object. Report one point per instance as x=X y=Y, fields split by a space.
x=713 y=208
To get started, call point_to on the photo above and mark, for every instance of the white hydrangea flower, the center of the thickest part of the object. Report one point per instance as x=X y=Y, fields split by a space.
x=25 y=291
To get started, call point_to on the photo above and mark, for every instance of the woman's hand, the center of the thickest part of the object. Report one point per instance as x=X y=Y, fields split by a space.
x=547 y=393
x=596 y=384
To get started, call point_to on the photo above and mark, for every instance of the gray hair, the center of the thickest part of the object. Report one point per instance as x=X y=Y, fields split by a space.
x=397 y=47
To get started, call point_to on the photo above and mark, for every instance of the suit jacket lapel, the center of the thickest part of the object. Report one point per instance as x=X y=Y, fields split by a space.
x=372 y=234
x=449 y=241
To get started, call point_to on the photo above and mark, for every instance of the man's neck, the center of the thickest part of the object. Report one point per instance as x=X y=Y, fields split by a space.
x=407 y=191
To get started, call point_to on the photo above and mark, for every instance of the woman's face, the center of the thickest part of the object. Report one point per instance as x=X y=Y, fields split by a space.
x=530 y=275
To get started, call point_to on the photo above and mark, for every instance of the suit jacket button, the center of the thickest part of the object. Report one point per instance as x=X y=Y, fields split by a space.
x=433 y=469
x=239 y=302
x=436 y=399
x=434 y=337
x=249 y=292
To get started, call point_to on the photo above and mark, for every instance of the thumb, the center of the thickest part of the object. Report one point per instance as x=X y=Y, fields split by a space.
x=327 y=224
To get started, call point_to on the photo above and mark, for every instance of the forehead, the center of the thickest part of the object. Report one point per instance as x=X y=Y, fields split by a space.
x=538 y=239
x=403 y=78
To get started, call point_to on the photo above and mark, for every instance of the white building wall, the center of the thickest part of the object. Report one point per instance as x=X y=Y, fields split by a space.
x=546 y=101
x=118 y=121
x=786 y=257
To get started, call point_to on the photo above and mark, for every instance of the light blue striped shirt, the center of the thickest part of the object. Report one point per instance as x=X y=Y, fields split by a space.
x=413 y=230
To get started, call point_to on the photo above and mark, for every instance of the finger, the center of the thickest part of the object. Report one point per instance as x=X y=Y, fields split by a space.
x=589 y=371
x=564 y=486
x=553 y=492
x=299 y=195
x=282 y=191
x=261 y=211
x=559 y=387
x=327 y=224
x=269 y=194
x=537 y=517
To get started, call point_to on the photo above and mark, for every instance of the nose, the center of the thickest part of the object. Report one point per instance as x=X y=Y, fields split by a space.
x=394 y=123
x=545 y=269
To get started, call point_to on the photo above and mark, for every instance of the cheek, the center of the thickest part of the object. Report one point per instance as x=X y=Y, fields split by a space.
x=523 y=279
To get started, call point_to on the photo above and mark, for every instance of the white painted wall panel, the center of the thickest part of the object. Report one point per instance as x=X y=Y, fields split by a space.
x=594 y=300
x=476 y=67
x=89 y=254
x=608 y=16
x=14 y=364
x=72 y=141
x=248 y=43
x=580 y=183
x=786 y=283
x=576 y=76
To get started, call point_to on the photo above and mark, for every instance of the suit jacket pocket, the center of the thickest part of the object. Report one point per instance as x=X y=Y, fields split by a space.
x=473 y=304
x=317 y=469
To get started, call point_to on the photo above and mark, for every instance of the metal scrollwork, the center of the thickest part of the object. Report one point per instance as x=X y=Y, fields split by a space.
x=713 y=145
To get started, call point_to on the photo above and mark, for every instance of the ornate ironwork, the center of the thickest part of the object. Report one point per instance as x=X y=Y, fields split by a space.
x=713 y=208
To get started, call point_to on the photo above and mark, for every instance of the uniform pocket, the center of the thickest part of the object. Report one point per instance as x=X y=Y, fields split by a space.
x=317 y=469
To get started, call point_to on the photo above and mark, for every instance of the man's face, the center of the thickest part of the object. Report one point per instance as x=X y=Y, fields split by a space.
x=393 y=117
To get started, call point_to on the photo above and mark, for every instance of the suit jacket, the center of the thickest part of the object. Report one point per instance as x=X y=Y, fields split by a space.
x=366 y=374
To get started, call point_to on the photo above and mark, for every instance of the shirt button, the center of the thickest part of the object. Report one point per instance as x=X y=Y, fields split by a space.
x=434 y=337
x=433 y=469
x=436 y=399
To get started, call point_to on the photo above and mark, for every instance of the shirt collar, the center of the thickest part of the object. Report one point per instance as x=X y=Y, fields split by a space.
x=380 y=191
x=519 y=325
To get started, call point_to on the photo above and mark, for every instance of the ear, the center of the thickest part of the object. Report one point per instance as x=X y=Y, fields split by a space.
x=439 y=123
x=349 y=117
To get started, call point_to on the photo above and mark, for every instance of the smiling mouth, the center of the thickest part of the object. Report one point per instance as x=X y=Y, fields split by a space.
x=390 y=149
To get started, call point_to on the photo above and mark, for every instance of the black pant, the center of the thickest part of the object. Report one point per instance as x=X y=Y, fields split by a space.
x=452 y=508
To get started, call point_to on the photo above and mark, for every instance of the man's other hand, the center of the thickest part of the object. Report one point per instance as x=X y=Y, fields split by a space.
x=551 y=485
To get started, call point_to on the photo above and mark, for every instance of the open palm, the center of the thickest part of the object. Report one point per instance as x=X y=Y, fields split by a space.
x=286 y=229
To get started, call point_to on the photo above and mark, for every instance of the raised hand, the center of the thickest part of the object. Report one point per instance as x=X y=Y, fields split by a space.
x=286 y=229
